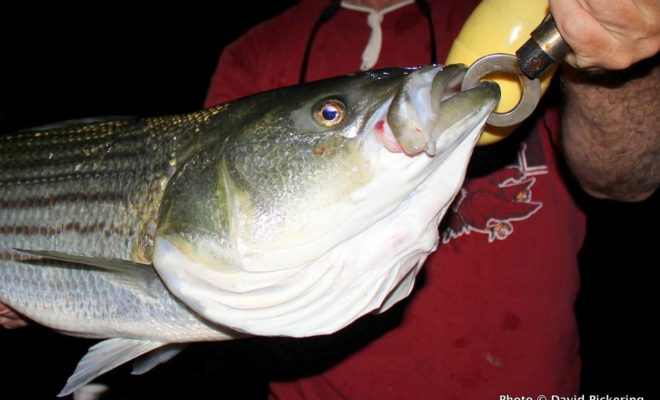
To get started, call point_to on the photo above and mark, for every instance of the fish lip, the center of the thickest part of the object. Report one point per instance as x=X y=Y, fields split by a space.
x=416 y=133
x=447 y=83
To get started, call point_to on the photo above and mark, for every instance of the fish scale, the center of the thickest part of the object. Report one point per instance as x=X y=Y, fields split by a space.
x=107 y=174
x=92 y=190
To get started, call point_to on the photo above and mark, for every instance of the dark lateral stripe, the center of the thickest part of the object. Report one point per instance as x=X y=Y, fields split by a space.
x=33 y=230
x=22 y=151
x=75 y=132
x=71 y=197
x=18 y=161
x=16 y=256
x=97 y=175
x=9 y=256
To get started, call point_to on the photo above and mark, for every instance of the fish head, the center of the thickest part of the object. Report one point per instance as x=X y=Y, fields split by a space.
x=310 y=206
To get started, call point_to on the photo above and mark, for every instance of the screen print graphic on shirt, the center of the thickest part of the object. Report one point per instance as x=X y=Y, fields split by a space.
x=492 y=205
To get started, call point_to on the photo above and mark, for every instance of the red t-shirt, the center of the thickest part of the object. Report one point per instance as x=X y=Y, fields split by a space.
x=493 y=313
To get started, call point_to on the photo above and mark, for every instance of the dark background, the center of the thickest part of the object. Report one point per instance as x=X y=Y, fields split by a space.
x=119 y=62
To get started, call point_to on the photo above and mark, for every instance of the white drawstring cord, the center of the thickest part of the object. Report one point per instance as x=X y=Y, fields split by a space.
x=374 y=20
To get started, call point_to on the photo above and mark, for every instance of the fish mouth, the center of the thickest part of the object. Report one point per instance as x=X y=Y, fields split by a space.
x=428 y=104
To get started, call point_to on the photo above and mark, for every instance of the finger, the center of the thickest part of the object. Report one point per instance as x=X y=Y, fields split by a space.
x=610 y=35
x=591 y=44
x=9 y=319
x=12 y=323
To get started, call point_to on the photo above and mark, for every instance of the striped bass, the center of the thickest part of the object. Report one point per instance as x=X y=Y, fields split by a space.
x=288 y=213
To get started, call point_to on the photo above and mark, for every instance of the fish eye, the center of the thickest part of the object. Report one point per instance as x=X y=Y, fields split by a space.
x=329 y=112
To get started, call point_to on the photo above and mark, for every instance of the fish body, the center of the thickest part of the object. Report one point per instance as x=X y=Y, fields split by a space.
x=288 y=213
x=93 y=189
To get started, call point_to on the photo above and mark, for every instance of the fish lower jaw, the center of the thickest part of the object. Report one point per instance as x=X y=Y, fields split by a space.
x=320 y=298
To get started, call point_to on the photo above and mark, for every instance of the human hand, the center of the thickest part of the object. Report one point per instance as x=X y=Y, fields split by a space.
x=9 y=319
x=605 y=34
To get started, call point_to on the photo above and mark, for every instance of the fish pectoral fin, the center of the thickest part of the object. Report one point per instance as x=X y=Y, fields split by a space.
x=134 y=274
x=104 y=356
x=108 y=264
x=159 y=356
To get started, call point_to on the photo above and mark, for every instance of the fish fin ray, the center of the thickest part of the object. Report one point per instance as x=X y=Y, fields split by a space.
x=108 y=264
x=159 y=356
x=104 y=356
x=136 y=275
